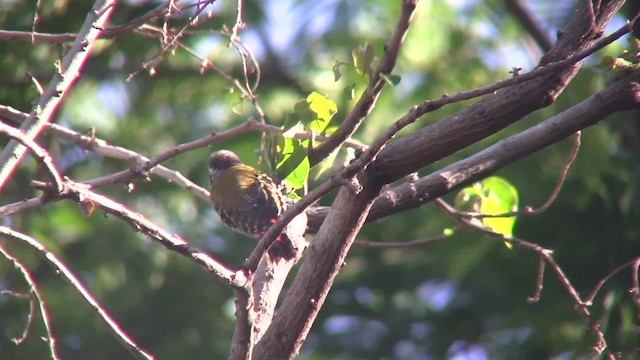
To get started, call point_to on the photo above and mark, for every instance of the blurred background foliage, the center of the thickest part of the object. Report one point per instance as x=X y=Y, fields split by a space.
x=465 y=296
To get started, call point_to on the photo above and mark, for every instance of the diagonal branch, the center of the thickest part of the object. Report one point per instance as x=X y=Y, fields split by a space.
x=41 y=154
x=368 y=99
x=59 y=86
x=501 y=108
x=620 y=96
x=36 y=297
x=316 y=275
x=90 y=200
x=125 y=29
x=70 y=277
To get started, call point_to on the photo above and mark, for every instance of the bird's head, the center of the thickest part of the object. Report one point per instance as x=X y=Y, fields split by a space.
x=222 y=160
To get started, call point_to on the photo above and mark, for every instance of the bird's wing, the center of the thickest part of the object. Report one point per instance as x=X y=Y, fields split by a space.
x=259 y=196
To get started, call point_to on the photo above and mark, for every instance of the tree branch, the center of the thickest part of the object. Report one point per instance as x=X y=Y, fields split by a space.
x=39 y=153
x=58 y=88
x=35 y=297
x=316 y=275
x=90 y=200
x=620 y=96
x=95 y=305
x=369 y=97
x=502 y=108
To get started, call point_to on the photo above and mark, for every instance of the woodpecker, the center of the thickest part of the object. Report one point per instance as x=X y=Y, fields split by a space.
x=247 y=200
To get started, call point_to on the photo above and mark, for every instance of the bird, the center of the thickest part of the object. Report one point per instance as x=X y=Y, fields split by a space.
x=247 y=200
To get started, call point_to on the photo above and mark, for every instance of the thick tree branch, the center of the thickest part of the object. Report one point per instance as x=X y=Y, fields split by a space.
x=449 y=140
x=498 y=110
x=620 y=96
x=256 y=303
x=324 y=260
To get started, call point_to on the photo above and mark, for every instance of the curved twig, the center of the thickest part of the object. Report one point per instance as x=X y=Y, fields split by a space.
x=95 y=305
x=34 y=297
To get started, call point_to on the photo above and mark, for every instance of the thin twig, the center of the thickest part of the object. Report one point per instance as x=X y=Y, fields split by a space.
x=60 y=85
x=119 y=333
x=81 y=194
x=39 y=153
x=167 y=43
x=632 y=263
x=432 y=105
x=120 y=30
x=206 y=64
x=539 y=282
x=102 y=147
x=528 y=210
x=635 y=290
x=544 y=253
x=404 y=244
x=143 y=169
x=32 y=304
x=34 y=297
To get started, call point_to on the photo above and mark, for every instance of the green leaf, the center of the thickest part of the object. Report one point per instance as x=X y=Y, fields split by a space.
x=493 y=196
x=500 y=197
x=391 y=79
x=294 y=167
x=363 y=57
x=299 y=176
x=369 y=55
x=469 y=198
x=324 y=110
x=303 y=112
x=330 y=130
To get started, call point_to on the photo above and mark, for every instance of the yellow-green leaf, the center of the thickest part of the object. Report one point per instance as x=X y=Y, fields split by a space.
x=492 y=196
x=324 y=110
x=294 y=167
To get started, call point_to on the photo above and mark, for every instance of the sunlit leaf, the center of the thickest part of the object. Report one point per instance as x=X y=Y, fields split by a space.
x=299 y=176
x=294 y=167
x=324 y=110
x=492 y=196
x=369 y=55
x=500 y=197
